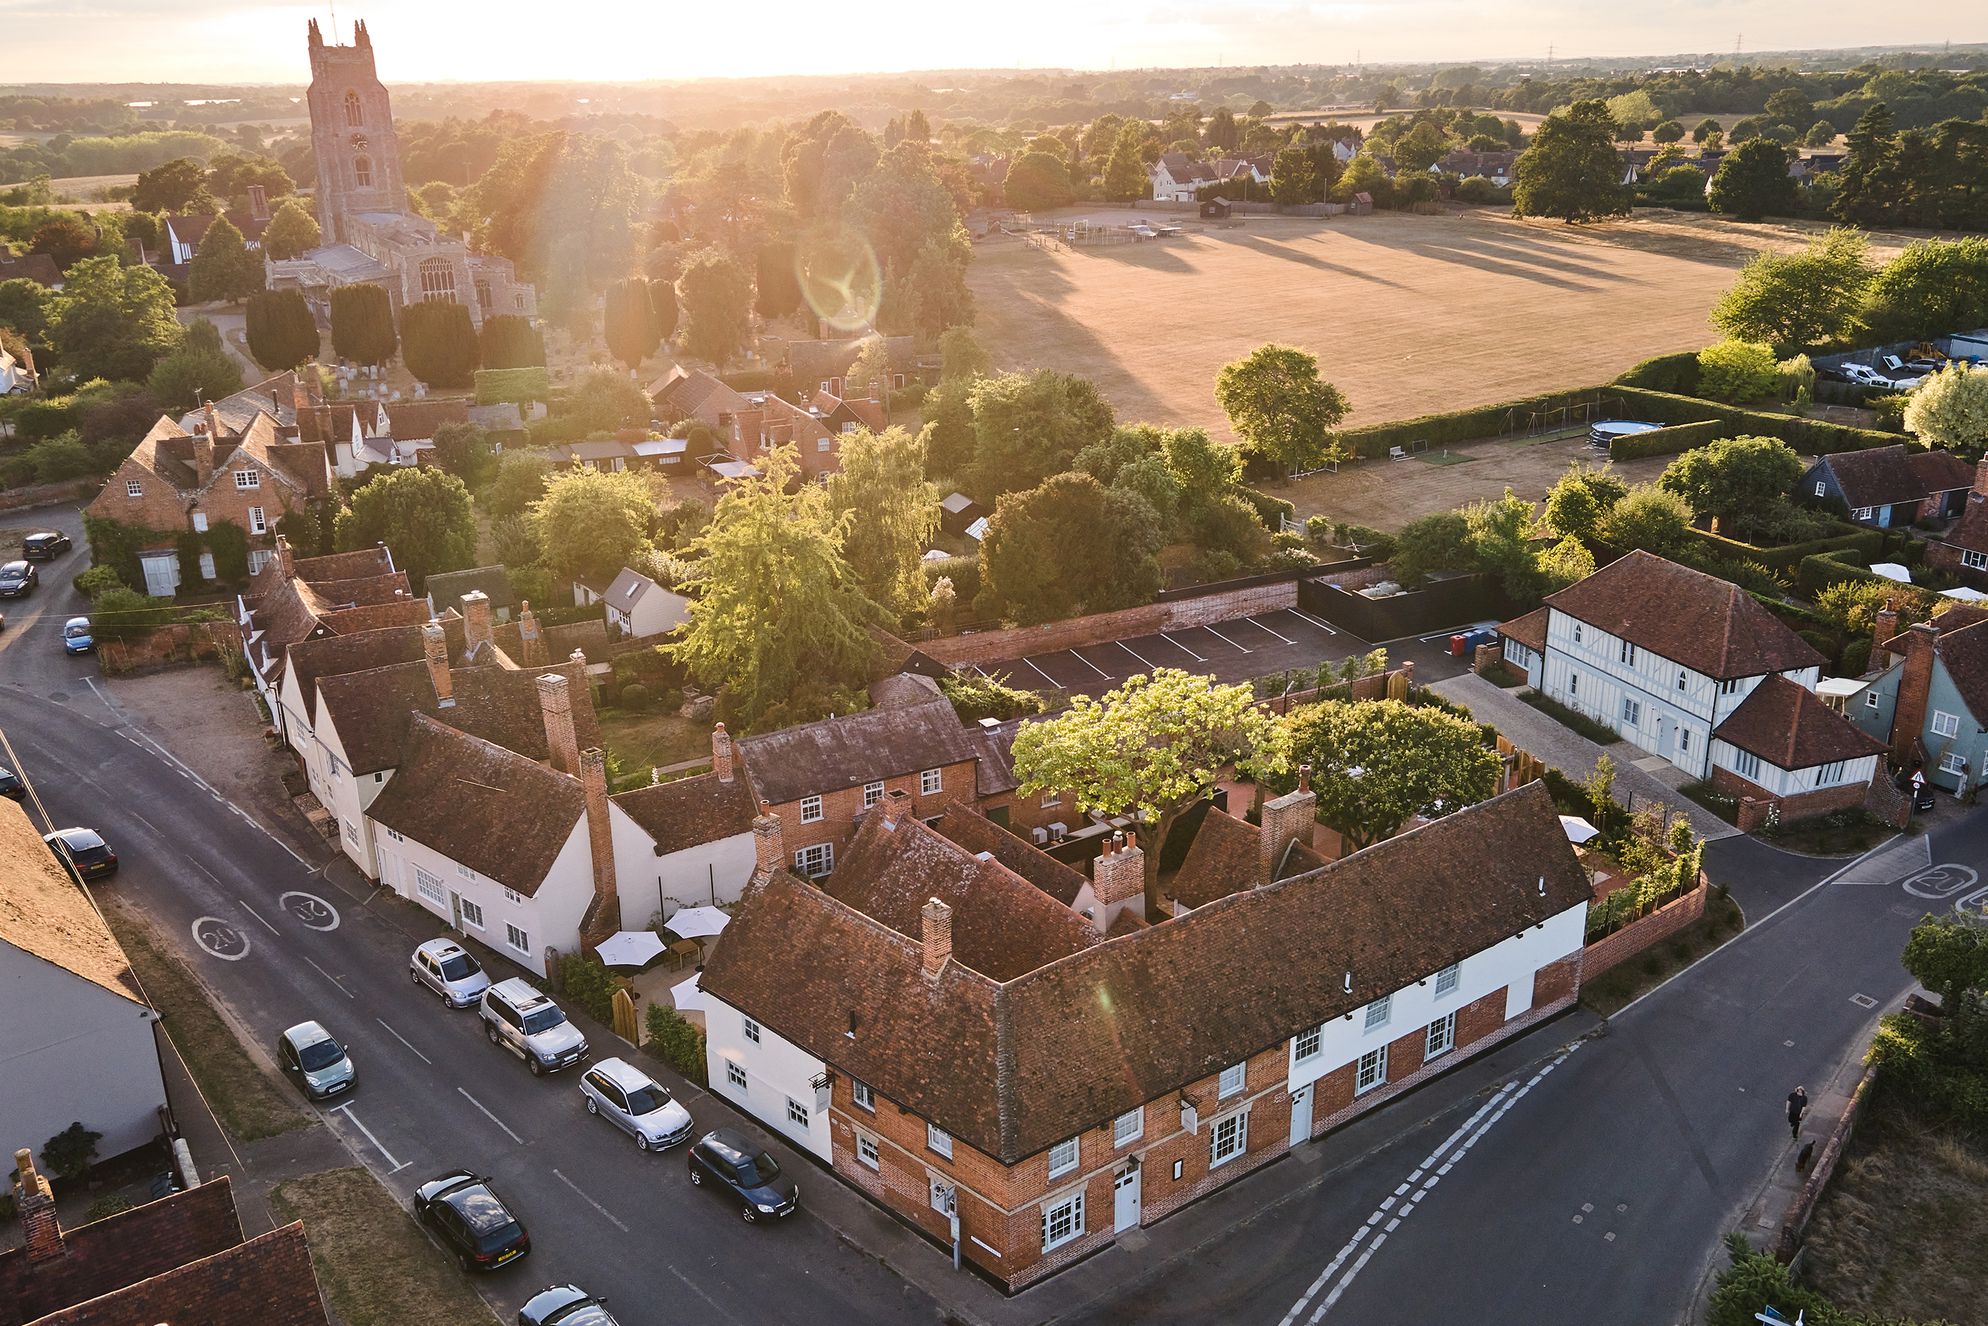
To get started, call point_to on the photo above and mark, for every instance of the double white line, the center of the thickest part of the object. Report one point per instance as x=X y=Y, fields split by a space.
x=1387 y=1217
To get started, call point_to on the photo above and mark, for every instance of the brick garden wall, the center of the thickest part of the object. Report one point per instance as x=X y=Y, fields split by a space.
x=47 y=494
x=1616 y=949
x=1754 y=800
x=1105 y=627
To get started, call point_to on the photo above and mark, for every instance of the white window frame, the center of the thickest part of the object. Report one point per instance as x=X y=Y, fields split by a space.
x=1628 y=653
x=200 y=522
x=247 y=479
x=797 y=1113
x=1729 y=686
x=867 y=1152
x=1128 y=1127
x=1232 y=1080
x=513 y=896
x=1953 y=762
x=1974 y=561
x=938 y=1140
x=1577 y=633
x=472 y=914
x=1821 y=488
x=1945 y=724
x=749 y=1028
x=1062 y=1220
x=1371 y=1071
x=931 y=782
x=1632 y=711
x=430 y=887
x=816 y=860
x=1865 y=512
x=258 y=520
x=811 y=810
x=1228 y=1137
x=1441 y=1038
x=1449 y=978
x=1379 y=1012
x=824 y=443
x=133 y=488
x=1870 y=699
x=1573 y=683
x=519 y=940
x=865 y=1098
x=872 y=794
x=1828 y=774
x=735 y=1074
x=1308 y=1044
x=1064 y=1157
x=1746 y=764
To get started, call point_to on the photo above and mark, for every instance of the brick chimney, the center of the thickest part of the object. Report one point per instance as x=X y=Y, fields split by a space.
x=435 y=649
x=1915 y=683
x=37 y=1206
x=721 y=753
x=1980 y=489
x=286 y=558
x=1118 y=879
x=938 y=937
x=769 y=852
x=531 y=642
x=204 y=443
x=258 y=199
x=555 y=702
x=475 y=619
x=603 y=915
x=1884 y=625
x=1287 y=819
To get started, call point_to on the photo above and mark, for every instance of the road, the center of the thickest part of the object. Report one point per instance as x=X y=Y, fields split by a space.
x=283 y=944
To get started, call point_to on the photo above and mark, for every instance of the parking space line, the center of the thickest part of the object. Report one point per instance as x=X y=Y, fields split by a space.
x=1087 y=663
x=493 y=1118
x=1225 y=640
x=257 y=915
x=353 y=1119
x=1135 y=653
x=1044 y=675
x=1307 y=617
x=333 y=979
x=1280 y=635
x=404 y=1041
x=1183 y=648
x=590 y=1201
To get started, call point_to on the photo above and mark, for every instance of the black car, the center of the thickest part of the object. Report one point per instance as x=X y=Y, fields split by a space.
x=737 y=1166
x=18 y=579
x=11 y=784
x=565 y=1305
x=84 y=849
x=1921 y=793
x=471 y=1220
x=45 y=545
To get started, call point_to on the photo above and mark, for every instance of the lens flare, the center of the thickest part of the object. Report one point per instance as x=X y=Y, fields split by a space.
x=840 y=278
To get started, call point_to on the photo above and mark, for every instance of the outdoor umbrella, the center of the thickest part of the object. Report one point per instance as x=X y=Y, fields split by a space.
x=1893 y=571
x=688 y=996
x=1577 y=829
x=697 y=922
x=630 y=948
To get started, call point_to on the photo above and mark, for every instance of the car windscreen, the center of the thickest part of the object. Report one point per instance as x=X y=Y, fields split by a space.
x=461 y=965
x=647 y=1099
x=543 y=1019
x=762 y=1169
x=321 y=1054
x=75 y=629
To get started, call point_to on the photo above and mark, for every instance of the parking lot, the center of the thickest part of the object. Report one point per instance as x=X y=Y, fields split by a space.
x=1235 y=650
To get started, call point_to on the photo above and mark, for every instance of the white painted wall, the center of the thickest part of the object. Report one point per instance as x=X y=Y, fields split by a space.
x=85 y=1055
x=710 y=874
x=777 y=1071
x=1794 y=782
x=550 y=917
x=348 y=796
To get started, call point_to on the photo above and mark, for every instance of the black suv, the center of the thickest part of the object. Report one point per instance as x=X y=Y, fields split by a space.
x=738 y=1167
x=18 y=579
x=471 y=1220
x=45 y=545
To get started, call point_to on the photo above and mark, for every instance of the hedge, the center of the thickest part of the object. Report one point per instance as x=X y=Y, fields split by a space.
x=1376 y=440
x=1785 y=556
x=1820 y=571
x=1794 y=614
x=495 y=386
x=1268 y=508
x=1669 y=440
x=1673 y=373
x=1811 y=436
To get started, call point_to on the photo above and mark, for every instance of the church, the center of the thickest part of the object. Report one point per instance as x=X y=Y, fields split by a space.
x=370 y=236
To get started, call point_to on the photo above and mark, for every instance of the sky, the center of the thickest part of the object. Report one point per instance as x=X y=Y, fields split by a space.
x=614 y=40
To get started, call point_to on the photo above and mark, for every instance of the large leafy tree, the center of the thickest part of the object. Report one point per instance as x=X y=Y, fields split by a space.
x=1125 y=177
x=1951 y=408
x=777 y=619
x=779 y=284
x=1028 y=426
x=902 y=206
x=629 y=324
x=1651 y=518
x=282 y=333
x=716 y=297
x=562 y=205
x=519 y=481
x=1811 y=297
x=1931 y=289
x=1156 y=747
x=1737 y=370
x=1571 y=171
x=224 y=268
x=1374 y=763
x=464 y=450
x=177 y=186
x=1753 y=182
x=1580 y=498
x=1069 y=546
x=1735 y=480
x=511 y=341
x=362 y=324
x=1037 y=182
x=591 y=523
x=601 y=401
x=24 y=307
x=64 y=237
x=1871 y=143
x=292 y=231
x=889 y=513
x=422 y=514
x=112 y=321
x=1948 y=954
x=1279 y=406
x=438 y=342
x=191 y=374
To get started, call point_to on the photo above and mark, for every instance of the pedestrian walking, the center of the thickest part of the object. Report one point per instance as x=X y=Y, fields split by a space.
x=1798 y=1105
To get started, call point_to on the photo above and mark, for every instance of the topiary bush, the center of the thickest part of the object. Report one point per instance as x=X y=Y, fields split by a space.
x=635 y=697
x=96 y=580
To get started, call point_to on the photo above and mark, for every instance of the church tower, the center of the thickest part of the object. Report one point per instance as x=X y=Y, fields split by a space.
x=358 y=156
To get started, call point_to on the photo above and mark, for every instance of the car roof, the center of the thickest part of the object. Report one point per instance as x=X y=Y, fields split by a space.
x=732 y=1145
x=307 y=1033
x=42 y=534
x=79 y=837
x=520 y=994
x=15 y=566
x=478 y=1204
x=440 y=948
x=76 y=621
x=623 y=1074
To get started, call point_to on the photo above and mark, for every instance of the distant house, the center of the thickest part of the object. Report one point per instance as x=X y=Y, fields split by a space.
x=1179 y=179
x=1963 y=550
x=1886 y=486
x=36 y=267
x=637 y=607
x=1215 y=209
x=691 y=393
x=1930 y=702
x=822 y=366
x=15 y=375
x=367 y=433
x=606 y=453
x=1494 y=166
x=660 y=453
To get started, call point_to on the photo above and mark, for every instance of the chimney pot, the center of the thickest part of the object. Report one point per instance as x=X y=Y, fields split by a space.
x=476 y=619
x=37 y=1206
x=938 y=937
x=721 y=753
x=1119 y=874
x=435 y=648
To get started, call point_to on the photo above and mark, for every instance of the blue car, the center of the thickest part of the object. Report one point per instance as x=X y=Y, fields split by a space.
x=76 y=636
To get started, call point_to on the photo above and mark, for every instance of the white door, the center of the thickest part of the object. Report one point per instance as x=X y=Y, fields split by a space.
x=161 y=574
x=1301 y=1115
x=1125 y=1197
x=1666 y=734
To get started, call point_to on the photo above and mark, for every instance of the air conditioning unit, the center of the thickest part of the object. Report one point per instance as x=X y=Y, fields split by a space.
x=1041 y=836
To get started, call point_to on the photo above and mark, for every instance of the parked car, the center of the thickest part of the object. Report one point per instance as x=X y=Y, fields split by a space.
x=733 y=1165
x=78 y=637
x=45 y=545
x=83 y=849
x=11 y=785
x=637 y=1104
x=471 y=1220
x=1921 y=793
x=565 y=1305
x=448 y=969
x=1866 y=376
x=521 y=1018
x=320 y=1064
x=18 y=580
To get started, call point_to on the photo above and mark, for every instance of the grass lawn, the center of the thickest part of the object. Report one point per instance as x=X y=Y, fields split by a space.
x=1612 y=990
x=1828 y=835
x=249 y=1104
x=1444 y=458
x=372 y=1260
x=642 y=740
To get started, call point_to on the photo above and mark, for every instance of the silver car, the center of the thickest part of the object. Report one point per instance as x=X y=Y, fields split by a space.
x=447 y=968
x=318 y=1063
x=522 y=1019
x=637 y=1104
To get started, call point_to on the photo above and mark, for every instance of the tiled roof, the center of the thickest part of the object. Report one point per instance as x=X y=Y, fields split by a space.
x=360 y=651
x=371 y=710
x=1701 y=621
x=121 y=1250
x=446 y=588
x=1012 y=1068
x=1940 y=471
x=1222 y=860
x=690 y=811
x=814 y=360
x=1970 y=532
x=1529 y=630
x=1878 y=476
x=1784 y=723
x=994 y=745
x=854 y=749
x=413 y=421
x=292 y=611
x=693 y=392
x=972 y=830
x=346 y=565
x=42 y=912
x=36 y=267
x=1961 y=645
x=502 y=814
x=267 y=1281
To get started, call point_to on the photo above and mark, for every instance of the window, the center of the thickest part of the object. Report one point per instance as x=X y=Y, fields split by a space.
x=1747 y=765
x=939 y=1140
x=260 y=558
x=1863 y=513
x=1307 y=1044
x=438 y=279
x=872 y=794
x=810 y=809
x=1974 y=561
x=1063 y=1157
x=430 y=887
x=1228 y=1138
x=1821 y=488
x=1629 y=653
x=1573 y=683
x=1952 y=763
x=1829 y=773
x=1231 y=1081
x=1680 y=678
x=355 y=113
x=200 y=522
x=465 y=871
x=1870 y=699
x=362 y=172
x=1447 y=978
x=735 y=1075
x=207 y=566
x=797 y=1113
x=1577 y=633
x=1729 y=686
x=351 y=829
x=513 y=896
x=1684 y=739
x=1442 y=1036
x=133 y=488
x=864 y=1097
x=1051 y=800
x=517 y=939
x=751 y=1030
x=823 y=443
x=929 y=783
x=1372 y=1070
x=472 y=914
x=1377 y=1012
x=866 y=1151
x=1944 y=723
x=395 y=835
x=248 y=479
x=816 y=861
x=1128 y=1127
x=1632 y=711
x=1063 y=1221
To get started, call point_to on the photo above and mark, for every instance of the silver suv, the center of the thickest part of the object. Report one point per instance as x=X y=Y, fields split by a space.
x=447 y=968
x=522 y=1019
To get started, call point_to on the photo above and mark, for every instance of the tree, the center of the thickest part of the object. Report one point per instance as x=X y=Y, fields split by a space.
x=464 y=450
x=1571 y=171
x=1037 y=182
x=961 y=357
x=1280 y=407
x=192 y=374
x=777 y=619
x=1861 y=184
x=66 y=238
x=1753 y=181
x=1579 y=499
x=601 y=401
x=1734 y=480
x=1155 y=746
x=438 y=343
x=1705 y=130
x=1363 y=174
x=1565 y=563
x=224 y=268
x=779 y=283
x=1294 y=177
x=24 y=307
x=868 y=375
x=112 y=321
x=629 y=324
x=716 y=298
x=1821 y=134
x=1070 y=546
x=888 y=513
x=562 y=206
x=591 y=523
x=1950 y=409
x=519 y=481
x=1651 y=518
x=1931 y=288
x=1668 y=132
x=1374 y=763
x=176 y=186
x=1809 y=298
x=362 y=324
x=1421 y=147
x=1028 y=426
x=1737 y=371
x=282 y=332
x=292 y=231
x=1948 y=954
x=69 y=1154
x=1125 y=177
x=510 y=341
x=422 y=514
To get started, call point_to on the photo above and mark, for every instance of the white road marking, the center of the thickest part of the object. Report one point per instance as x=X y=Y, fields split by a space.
x=253 y=912
x=1307 y=617
x=404 y=1041
x=698 y=1290
x=313 y=911
x=333 y=979
x=1279 y=634
x=1044 y=675
x=218 y=938
x=90 y=682
x=1183 y=648
x=1135 y=653
x=590 y=1201
x=1225 y=640
x=353 y=1119
x=493 y=1118
x=1087 y=663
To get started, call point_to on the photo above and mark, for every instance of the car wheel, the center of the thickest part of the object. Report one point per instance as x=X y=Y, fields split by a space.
x=696 y=1179
x=490 y=1032
x=592 y=1106
x=751 y=1216
x=414 y=975
x=538 y=1069
x=641 y=1142
x=464 y=1263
